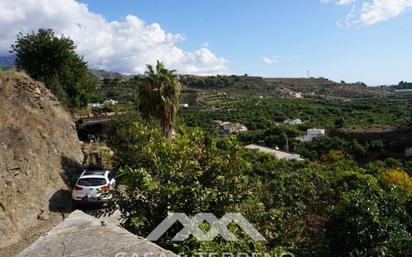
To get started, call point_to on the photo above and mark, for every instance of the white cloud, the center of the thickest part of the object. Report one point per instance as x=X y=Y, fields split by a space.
x=270 y=60
x=125 y=45
x=382 y=10
x=373 y=11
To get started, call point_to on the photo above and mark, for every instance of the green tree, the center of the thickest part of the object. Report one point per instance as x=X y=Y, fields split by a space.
x=53 y=60
x=190 y=174
x=367 y=220
x=159 y=97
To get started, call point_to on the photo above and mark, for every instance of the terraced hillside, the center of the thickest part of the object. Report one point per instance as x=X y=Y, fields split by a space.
x=281 y=86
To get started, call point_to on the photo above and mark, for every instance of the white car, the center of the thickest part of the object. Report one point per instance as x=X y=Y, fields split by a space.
x=92 y=187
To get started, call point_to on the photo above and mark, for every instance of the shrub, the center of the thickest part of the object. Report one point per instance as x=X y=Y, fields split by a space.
x=399 y=178
x=369 y=225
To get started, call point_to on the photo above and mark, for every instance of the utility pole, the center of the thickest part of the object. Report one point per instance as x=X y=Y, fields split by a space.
x=287 y=144
x=308 y=73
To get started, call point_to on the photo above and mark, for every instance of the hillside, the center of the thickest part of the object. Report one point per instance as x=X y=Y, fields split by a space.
x=197 y=91
x=102 y=74
x=280 y=86
x=39 y=148
x=7 y=61
x=324 y=87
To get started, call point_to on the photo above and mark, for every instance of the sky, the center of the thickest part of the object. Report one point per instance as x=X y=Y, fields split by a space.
x=350 y=40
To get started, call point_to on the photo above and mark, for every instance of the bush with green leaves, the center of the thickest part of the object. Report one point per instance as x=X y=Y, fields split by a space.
x=190 y=175
x=309 y=209
x=373 y=223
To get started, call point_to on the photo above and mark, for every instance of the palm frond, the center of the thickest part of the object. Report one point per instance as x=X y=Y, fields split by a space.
x=159 y=95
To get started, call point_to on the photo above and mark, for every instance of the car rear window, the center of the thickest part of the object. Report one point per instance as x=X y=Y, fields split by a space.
x=92 y=182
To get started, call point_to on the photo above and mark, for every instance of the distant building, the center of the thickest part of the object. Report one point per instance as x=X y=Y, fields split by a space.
x=297 y=95
x=230 y=127
x=241 y=128
x=293 y=121
x=95 y=106
x=184 y=105
x=312 y=133
x=278 y=154
x=110 y=102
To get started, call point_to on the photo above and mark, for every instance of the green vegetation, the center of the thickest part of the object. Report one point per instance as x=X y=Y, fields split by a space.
x=210 y=82
x=3 y=68
x=261 y=113
x=404 y=85
x=347 y=199
x=366 y=129
x=53 y=60
x=329 y=208
x=159 y=97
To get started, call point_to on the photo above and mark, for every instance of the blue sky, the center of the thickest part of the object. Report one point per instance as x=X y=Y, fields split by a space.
x=351 y=40
x=302 y=35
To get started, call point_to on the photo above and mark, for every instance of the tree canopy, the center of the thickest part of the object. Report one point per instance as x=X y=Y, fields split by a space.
x=333 y=208
x=159 y=96
x=54 y=61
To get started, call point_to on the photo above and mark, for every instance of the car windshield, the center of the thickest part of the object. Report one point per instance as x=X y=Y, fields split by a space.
x=91 y=182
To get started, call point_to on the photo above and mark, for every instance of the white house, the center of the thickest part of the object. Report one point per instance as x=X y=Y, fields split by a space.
x=230 y=128
x=241 y=128
x=95 y=105
x=278 y=154
x=297 y=94
x=110 y=102
x=184 y=105
x=293 y=121
x=313 y=133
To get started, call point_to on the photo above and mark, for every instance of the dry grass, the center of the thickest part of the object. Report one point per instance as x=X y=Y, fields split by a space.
x=6 y=88
x=24 y=108
x=34 y=123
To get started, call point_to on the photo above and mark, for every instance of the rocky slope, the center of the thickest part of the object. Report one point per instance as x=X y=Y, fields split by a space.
x=7 y=61
x=39 y=149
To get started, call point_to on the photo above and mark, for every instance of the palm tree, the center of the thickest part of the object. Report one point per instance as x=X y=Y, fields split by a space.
x=159 y=97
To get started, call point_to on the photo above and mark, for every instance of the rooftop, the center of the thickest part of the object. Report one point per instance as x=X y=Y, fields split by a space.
x=278 y=154
x=94 y=172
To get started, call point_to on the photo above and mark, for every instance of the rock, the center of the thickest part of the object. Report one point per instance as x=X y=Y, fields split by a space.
x=33 y=168
x=83 y=235
x=43 y=215
x=37 y=91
